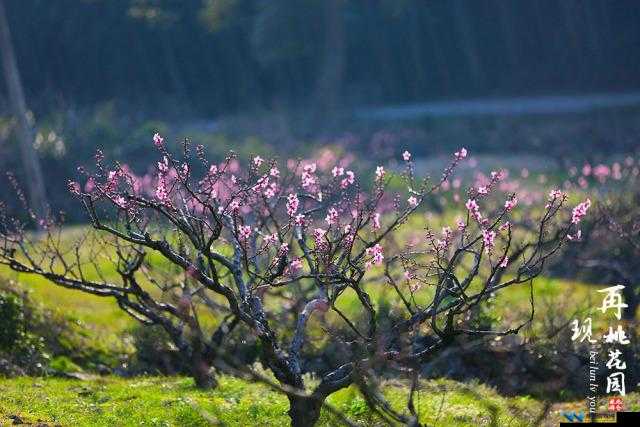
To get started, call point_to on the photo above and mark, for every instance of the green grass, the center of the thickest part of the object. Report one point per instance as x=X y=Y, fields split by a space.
x=160 y=401
x=174 y=401
x=98 y=320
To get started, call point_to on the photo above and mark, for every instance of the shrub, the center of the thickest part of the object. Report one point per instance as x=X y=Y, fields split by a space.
x=609 y=247
x=155 y=353
x=21 y=349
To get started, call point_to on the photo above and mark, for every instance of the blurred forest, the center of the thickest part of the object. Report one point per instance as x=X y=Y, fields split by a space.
x=291 y=76
x=220 y=56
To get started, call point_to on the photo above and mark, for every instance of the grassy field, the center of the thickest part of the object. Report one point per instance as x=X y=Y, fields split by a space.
x=158 y=401
x=174 y=401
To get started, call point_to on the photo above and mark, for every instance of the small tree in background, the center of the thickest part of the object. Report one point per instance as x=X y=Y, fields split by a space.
x=609 y=249
x=264 y=247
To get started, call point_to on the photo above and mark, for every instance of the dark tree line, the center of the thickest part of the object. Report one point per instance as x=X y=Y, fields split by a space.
x=222 y=55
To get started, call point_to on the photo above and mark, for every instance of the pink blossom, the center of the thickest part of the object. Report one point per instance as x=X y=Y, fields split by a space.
x=332 y=216
x=318 y=236
x=292 y=204
x=234 y=205
x=262 y=182
x=163 y=166
x=350 y=179
x=337 y=171
x=326 y=158
x=482 y=190
x=270 y=239
x=274 y=172
x=161 y=191
x=555 y=194
x=446 y=238
x=583 y=182
x=376 y=253
x=348 y=237
x=376 y=221
x=380 y=173
x=99 y=156
x=271 y=191
x=310 y=167
x=498 y=175
x=244 y=231
x=90 y=185
x=258 y=161
x=284 y=249
x=511 y=203
x=474 y=209
x=308 y=177
x=461 y=154
x=488 y=237
x=504 y=226
x=461 y=224
x=121 y=202
x=158 y=141
x=601 y=172
x=112 y=182
x=295 y=265
x=580 y=211
x=504 y=262
x=74 y=187
x=299 y=220
x=413 y=201
x=184 y=171
x=406 y=156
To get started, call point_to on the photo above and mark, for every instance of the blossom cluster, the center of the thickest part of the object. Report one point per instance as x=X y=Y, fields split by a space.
x=580 y=211
x=317 y=196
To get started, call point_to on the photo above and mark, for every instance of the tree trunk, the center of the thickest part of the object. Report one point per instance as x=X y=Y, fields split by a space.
x=201 y=369
x=30 y=161
x=203 y=377
x=304 y=411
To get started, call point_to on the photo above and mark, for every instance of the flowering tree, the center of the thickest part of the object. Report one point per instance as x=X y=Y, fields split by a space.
x=265 y=247
x=610 y=244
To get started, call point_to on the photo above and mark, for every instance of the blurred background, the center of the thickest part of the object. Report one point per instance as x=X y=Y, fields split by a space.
x=545 y=79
